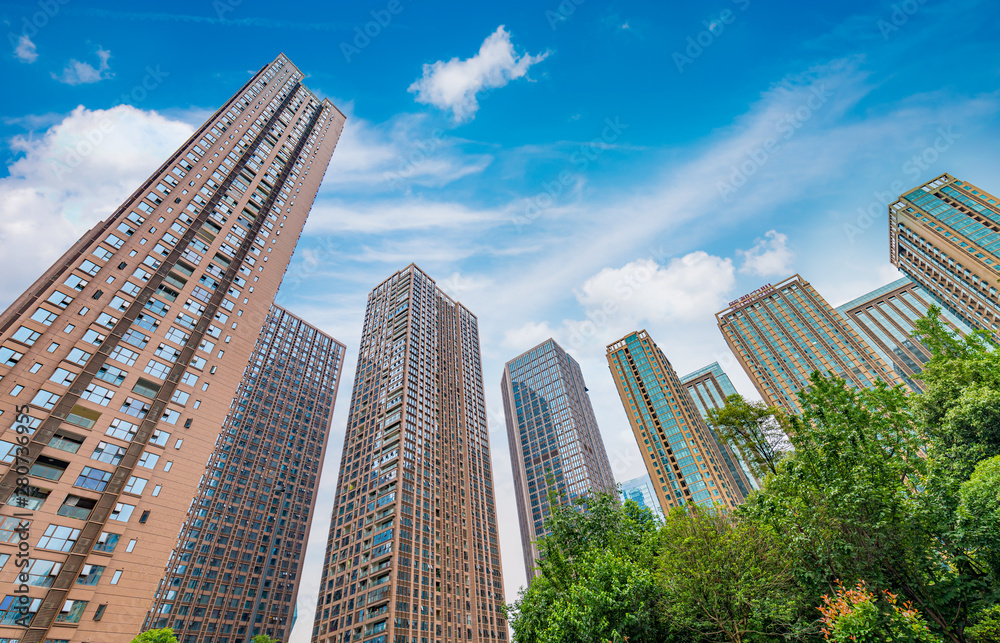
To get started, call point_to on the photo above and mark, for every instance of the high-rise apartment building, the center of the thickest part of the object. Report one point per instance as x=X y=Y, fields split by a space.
x=236 y=570
x=945 y=236
x=119 y=364
x=681 y=455
x=413 y=551
x=709 y=387
x=782 y=333
x=555 y=445
x=886 y=319
x=641 y=491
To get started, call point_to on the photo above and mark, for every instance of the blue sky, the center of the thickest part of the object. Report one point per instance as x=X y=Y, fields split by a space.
x=575 y=169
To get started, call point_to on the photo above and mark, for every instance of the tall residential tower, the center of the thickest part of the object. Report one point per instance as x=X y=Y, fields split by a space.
x=709 y=387
x=119 y=364
x=413 y=550
x=555 y=444
x=681 y=455
x=782 y=333
x=945 y=236
x=236 y=570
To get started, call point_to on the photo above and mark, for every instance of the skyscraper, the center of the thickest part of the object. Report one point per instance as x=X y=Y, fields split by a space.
x=236 y=570
x=782 y=333
x=118 y=365
x=413 y=551
x=681 y=455
x=553 y=435
x=642 y=491
x=886 y=319
x=709 y=387
x=945 y=236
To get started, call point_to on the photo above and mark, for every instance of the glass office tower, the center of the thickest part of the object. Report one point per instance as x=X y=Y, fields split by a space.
x=555 y=445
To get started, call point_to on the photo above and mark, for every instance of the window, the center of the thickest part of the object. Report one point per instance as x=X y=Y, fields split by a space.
x=110 y=453
x=42 y=573
x=116 y=576
x=122 y=430
x=97 y=394
x=131 y=545
x=89 y=267
x=136 y=485
x=76 y=507
x=75 y=282
x=157 y=369
x=29 y=497
x=135 y=408
x=93 y=337
x=102 y=253
x=156 y=490
x=82 y=417
x=106 y=320
x=106 y=542
x=90 y=574
x=26 y=336
x=167 y=352
x=12 y=611
x=66 y=441
x=122 y=512
x=159 y=438
x=48 y=468
x=43 y=316
x=134 y=337
x=180 y=397
x=78 y=356
x=63 y=377
x=146 y=388
x=170 y=416
x=71 y=612
x=60 y=300
x=58 y=538
x=124 y=355
x=93 y=479
x=167 y=466
x=146 y=321
x=112 y=374
x=99 y=612
x=6 y=451
x=45 y=399
x=9 y=357
x=11 y=529
x=177 y=336
x=148 y=460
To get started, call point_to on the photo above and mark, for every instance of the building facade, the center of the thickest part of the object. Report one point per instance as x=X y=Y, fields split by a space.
x=709 y=387
x=641 y=491
x=413 y=551
x=681 y=455
x=555 y=445
x=886 y=319
x=782 y=333
x=236 y=569
x=119 y=364
x=945 y=236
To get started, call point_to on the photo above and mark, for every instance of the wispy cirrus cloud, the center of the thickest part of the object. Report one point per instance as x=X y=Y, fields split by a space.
x=454 y=85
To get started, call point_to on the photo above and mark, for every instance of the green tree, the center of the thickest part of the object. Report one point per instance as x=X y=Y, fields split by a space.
x=597 y=577
x=757 y=430
x=859 y=615
x=165 y=635
x=979 y=513
x=724 y=578
x=263 y=638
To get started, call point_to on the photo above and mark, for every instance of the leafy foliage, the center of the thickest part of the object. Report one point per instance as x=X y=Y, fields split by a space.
x=165 y=635
x=862 y=616
x=758 y=431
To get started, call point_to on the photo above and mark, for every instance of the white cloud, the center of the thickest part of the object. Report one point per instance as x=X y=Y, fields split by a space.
x=25 y=50
x=688 y=288
x=454 y=84
x=524 y=337
x=769 y=257
x=81 y=73
x=71 y=177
